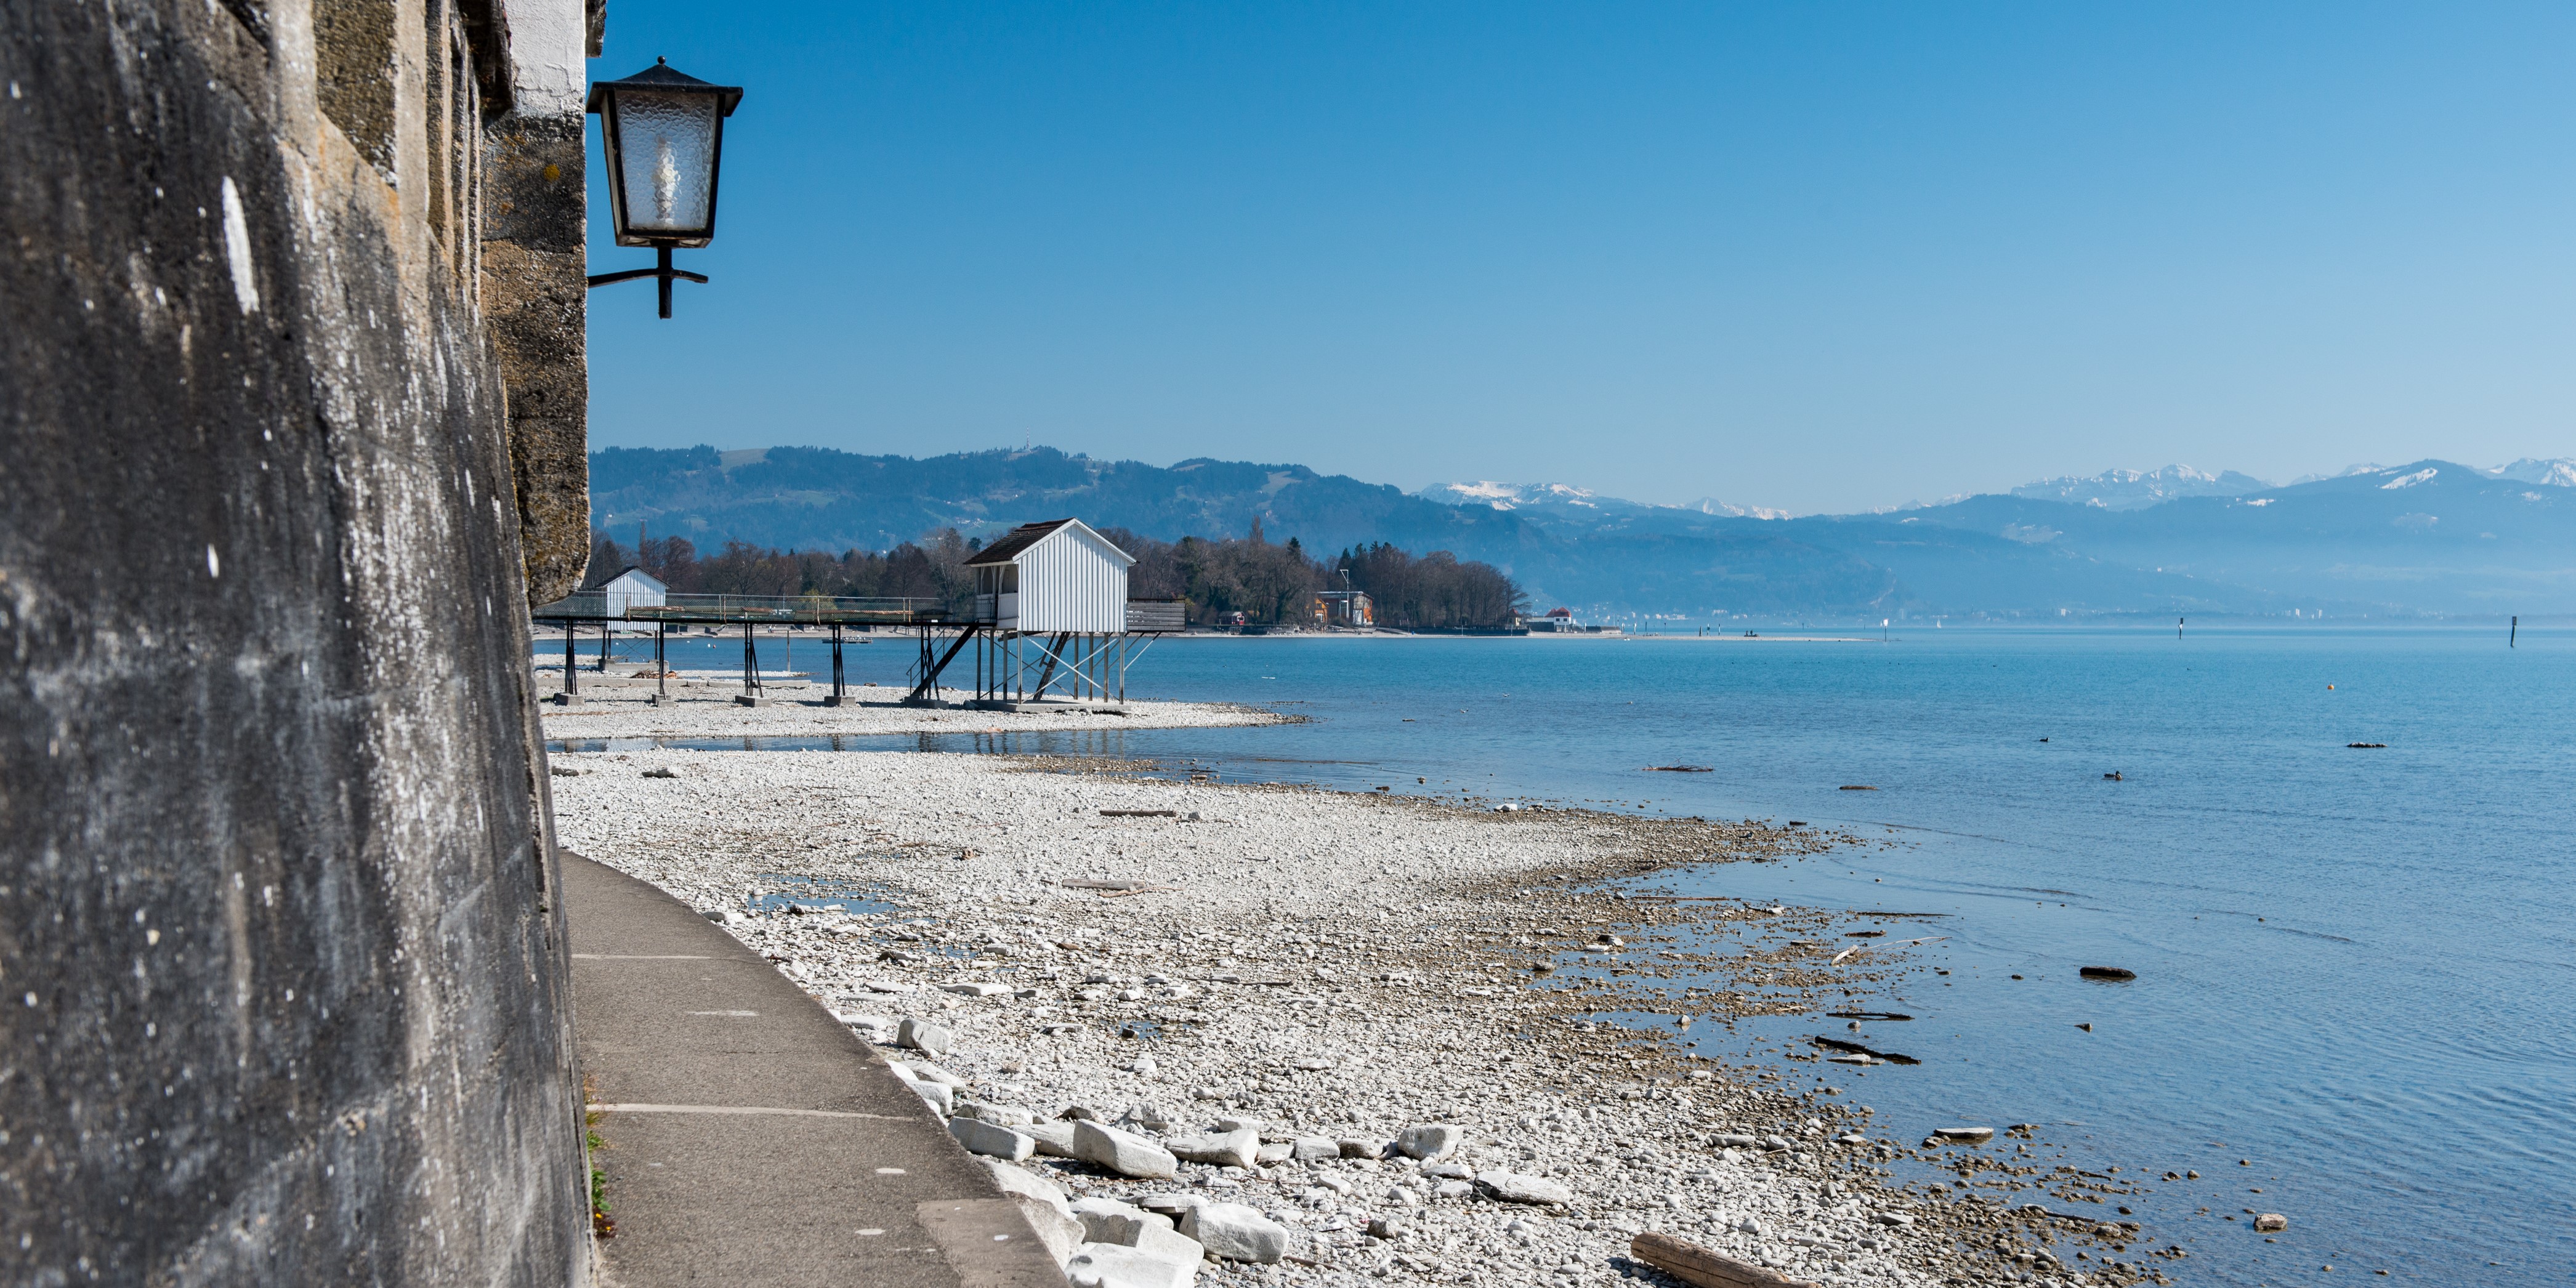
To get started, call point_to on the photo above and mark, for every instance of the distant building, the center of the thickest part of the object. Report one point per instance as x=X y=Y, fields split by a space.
x=633 y=588
x=1560 y=621
x=1351 y=608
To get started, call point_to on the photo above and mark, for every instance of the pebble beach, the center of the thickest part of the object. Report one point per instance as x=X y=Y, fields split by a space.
x=702 y=706
x=1369 y=1028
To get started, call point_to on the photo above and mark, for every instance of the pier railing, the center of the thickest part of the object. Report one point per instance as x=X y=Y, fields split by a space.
x=810 y=610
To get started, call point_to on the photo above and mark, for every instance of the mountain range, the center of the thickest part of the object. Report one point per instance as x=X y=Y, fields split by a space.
x=2138 y=489
x=2428 y=538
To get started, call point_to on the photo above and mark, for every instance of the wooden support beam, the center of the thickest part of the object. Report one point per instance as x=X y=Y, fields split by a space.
x=930 y=676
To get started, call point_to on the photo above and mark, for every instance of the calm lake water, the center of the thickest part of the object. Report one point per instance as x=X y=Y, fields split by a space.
x=2354 y=965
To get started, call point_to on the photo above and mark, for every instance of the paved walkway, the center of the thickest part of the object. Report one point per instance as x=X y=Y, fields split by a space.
x=753 y=1140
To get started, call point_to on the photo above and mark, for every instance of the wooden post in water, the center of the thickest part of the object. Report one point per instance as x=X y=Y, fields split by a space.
x=2513 y=632
x=661 y=664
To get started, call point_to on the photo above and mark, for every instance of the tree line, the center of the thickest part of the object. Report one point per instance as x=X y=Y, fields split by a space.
x=1268 y=583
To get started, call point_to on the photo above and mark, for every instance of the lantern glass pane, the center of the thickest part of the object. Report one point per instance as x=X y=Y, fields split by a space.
x=667 y=144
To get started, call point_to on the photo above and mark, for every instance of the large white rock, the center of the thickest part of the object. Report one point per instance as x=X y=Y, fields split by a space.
x=1512 y=1187
x=1106 y=1220
x=1121 y=1152
x=1163 y=1241
x=938 y=1095
x=1006 y=1115
x=1173 y=1204
x=980 y=1137
x=1055 y=1139
x=1428 y=1141
x=1240 y=1148
x=923 y=1036
x=1236 y=1232
x=1107 y=1265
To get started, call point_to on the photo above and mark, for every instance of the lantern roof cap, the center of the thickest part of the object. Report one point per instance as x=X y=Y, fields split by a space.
x=661 y=75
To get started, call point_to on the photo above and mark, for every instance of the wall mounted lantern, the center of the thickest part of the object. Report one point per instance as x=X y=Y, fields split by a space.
x=664 y=133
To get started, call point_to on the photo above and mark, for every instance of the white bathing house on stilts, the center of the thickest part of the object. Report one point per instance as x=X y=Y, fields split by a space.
x=1052 y=623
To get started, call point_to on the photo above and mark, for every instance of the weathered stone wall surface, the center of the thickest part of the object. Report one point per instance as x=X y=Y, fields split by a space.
x=536 y=276
x=282 y=971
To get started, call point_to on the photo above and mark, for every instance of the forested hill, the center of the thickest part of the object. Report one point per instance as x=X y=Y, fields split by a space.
x=812 y=498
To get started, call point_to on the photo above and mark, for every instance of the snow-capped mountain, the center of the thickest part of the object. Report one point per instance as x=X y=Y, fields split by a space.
x=1516 y=496
x=1729 y=509
x=2138 y=489
x=2366 y=467
x=2556 y=471
x=1567 y=500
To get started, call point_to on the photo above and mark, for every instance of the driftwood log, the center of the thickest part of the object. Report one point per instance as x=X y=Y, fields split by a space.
x=1694 y=1264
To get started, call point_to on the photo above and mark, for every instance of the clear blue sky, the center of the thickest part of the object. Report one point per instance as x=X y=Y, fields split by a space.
x=1822 y=257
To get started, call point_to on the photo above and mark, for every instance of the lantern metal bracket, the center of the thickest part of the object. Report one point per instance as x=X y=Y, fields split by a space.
x=662 y=270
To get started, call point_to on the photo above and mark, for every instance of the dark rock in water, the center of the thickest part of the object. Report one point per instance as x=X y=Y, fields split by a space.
x=2366 y=744
x=2106 y=972
x=1855 y=1048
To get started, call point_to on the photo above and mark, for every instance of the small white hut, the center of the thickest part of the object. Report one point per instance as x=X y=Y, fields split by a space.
x=1053 y=577
x=631 y=589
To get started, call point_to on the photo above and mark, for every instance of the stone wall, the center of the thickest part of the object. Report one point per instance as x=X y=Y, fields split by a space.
x=536 y=275
x=285 y=998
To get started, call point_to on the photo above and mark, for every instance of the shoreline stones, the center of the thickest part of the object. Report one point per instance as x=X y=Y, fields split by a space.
x=922 y=1036
x=1239 y=1148
x=1122 y=1152
x=1352 y=988
x=1429 y=1142
x=1107 y=1265
x=1236 y=1233
x=1055 y=1139
x=980 y=1137
x=1512 y=1187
